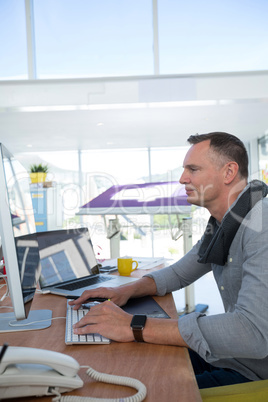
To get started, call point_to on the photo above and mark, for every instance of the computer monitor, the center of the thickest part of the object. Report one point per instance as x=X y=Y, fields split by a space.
x=19 y=247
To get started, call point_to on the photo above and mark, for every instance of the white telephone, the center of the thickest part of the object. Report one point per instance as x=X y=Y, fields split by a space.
x=39 y=372
x=36 y=372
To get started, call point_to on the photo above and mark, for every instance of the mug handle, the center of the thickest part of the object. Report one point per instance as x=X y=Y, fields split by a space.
x=136 y=262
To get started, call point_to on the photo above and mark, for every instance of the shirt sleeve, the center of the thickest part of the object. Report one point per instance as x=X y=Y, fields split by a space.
x=184 y=272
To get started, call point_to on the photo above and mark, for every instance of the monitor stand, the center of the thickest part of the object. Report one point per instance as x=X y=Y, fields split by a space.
x=37 y=319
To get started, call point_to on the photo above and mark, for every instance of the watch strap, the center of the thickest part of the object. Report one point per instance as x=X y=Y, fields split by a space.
x=137 y=326
x=138 y=336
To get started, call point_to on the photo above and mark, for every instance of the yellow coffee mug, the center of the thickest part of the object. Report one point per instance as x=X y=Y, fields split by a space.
x=125 y=266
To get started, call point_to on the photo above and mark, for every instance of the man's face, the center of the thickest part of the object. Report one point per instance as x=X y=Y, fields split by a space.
x=202 y=175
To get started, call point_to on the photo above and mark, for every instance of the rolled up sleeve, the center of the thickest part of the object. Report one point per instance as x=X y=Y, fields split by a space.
x=222 y=336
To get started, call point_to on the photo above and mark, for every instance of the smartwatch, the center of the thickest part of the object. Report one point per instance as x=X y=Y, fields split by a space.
x=137 y=326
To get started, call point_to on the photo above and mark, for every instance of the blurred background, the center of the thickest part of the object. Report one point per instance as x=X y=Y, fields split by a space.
x=107 y=92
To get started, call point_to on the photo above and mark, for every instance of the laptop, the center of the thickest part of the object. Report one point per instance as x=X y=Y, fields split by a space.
x=68 y=264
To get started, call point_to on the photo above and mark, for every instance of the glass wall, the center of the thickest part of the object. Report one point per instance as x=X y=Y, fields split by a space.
x=211 y=36
x=64 y=177
x=13 y=43
x=76 y=38
x=263 y=158
x=167 y=165
x=103 y=169
x=93 y=38
x=80 y=176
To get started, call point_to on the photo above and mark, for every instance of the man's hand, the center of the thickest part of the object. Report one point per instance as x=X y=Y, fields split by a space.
x=117 y=295
x=111 y=321
x=108 y=320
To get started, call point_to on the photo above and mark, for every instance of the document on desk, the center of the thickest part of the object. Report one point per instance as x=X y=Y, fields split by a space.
x=149 y=262
x=144 y=263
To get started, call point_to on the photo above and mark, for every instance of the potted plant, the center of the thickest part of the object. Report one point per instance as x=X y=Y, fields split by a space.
x=38 y=173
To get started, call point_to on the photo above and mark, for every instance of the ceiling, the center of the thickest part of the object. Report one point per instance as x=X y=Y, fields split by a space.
x=130 y=113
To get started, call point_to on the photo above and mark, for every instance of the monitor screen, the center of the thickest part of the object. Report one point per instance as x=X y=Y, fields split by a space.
x=65 y=255
x=18 y=236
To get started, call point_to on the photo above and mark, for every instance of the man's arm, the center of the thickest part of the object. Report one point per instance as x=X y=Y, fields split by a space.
x=112 y=322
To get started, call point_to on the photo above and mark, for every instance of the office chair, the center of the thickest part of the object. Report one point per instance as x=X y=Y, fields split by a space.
x=255 y=391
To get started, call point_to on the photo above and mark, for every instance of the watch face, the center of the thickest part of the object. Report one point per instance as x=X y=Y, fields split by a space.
x=138 y=321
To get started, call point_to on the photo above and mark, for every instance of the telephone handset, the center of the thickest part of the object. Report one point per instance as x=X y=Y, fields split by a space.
x=36 y=372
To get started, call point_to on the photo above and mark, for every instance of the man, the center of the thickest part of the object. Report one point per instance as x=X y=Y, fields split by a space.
x=226 y=348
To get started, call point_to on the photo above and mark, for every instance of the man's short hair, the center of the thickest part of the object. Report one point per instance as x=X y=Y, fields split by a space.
x=226 y=145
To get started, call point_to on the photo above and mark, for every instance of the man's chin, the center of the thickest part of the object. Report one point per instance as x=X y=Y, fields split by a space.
x=192 y=199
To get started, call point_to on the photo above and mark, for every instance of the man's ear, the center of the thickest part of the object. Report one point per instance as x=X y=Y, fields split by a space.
x=230 y=172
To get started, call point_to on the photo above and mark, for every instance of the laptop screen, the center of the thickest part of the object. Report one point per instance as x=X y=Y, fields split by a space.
x=65 y=255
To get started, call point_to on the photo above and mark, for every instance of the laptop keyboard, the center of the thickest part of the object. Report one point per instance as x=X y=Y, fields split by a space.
x=85 y=282
x=72 y=316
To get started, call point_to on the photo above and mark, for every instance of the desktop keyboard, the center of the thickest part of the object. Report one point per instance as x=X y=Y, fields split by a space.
x=72 y=316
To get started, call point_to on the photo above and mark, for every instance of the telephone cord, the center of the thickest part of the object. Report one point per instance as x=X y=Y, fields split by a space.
x=111 y=379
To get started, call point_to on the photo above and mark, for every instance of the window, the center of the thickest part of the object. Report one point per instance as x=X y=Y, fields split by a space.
x=104 y=38
x=93 y=38
x=64 y=177
x=103 y=169
x=212 y=36
x=13 y=44
x=166 y=163
x=110 y=167
x=263 y=158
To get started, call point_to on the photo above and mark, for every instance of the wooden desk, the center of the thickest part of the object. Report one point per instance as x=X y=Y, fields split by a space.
x=166 y=371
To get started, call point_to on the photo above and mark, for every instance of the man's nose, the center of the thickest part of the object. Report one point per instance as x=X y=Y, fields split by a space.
x=183 y=178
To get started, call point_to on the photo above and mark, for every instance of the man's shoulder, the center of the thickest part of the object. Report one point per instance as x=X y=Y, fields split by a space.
x=257 y=217
x=263 y=203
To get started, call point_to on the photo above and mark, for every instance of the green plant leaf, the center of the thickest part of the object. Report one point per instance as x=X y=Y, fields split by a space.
x=38 y=168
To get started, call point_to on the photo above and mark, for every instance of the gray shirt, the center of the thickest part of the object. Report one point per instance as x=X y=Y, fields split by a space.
x=238 y=338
